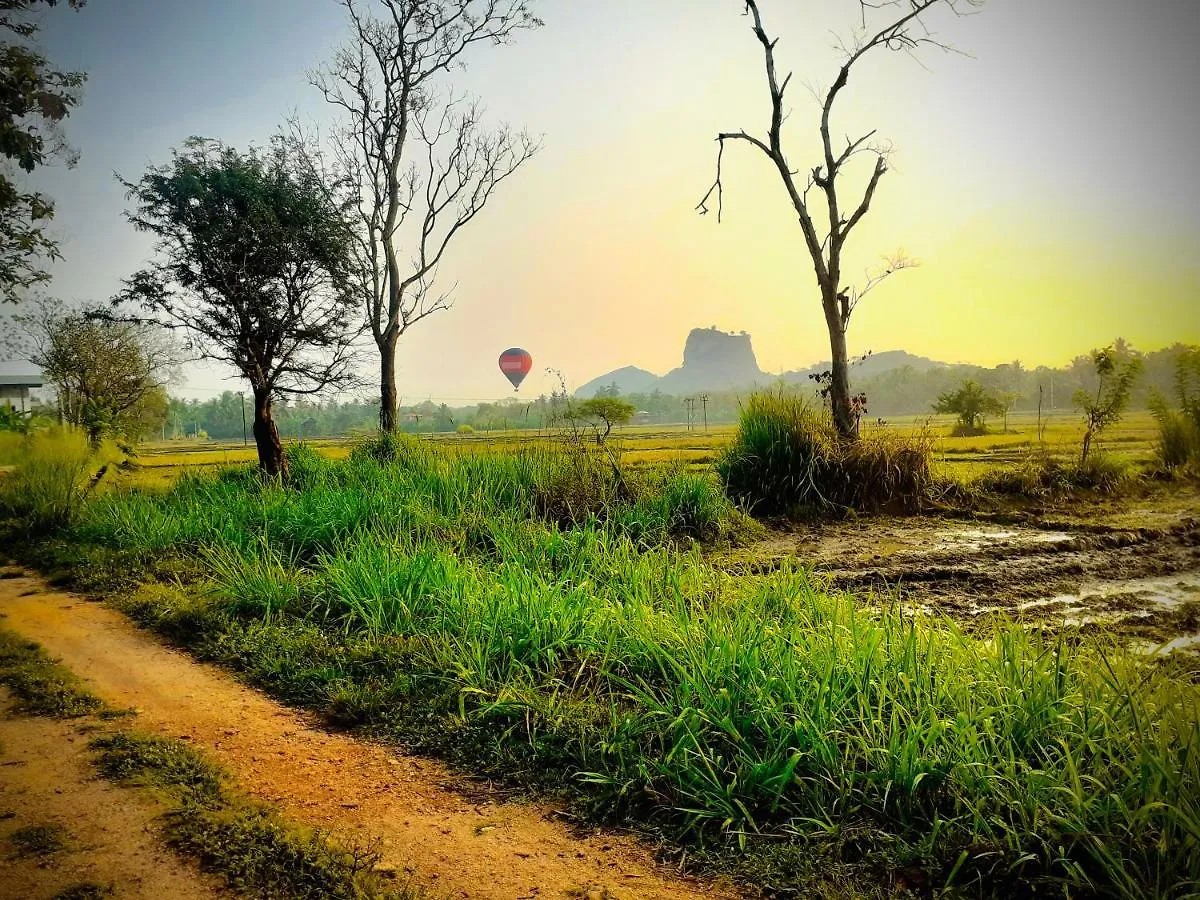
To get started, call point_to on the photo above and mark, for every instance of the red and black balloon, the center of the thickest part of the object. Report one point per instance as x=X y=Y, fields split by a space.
x=515 y=364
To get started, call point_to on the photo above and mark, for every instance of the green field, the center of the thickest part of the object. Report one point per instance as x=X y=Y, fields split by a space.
x=962 y=458
x=540 y=615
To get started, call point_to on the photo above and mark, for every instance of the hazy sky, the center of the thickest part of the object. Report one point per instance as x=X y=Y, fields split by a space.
x=1047 y=183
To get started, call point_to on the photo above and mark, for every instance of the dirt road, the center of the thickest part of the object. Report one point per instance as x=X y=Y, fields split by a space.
x=107 y=833
x=447 y=840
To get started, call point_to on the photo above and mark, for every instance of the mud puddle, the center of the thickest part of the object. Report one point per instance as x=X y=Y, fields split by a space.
x=1132 y=572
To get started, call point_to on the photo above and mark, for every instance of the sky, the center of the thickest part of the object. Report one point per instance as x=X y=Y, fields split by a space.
x=1044 y=176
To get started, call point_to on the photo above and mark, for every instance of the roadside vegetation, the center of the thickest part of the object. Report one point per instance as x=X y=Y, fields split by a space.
x=203 y=815
x=548 y=619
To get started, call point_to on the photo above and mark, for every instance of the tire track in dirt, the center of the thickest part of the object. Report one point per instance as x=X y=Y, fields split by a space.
x=446 y=841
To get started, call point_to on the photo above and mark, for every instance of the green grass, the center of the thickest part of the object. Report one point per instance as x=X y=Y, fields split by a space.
x=544 y=619
x=786 y=457
x=249 y=846
x=86 y=890
x=54 y=471
x=39 y=840
x=41 y=687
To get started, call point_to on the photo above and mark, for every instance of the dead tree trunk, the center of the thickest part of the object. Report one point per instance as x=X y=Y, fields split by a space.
x=389 y=397
x=827 y=220
x=839 y=370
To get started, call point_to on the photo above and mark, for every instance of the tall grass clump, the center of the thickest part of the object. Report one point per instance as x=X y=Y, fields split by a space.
x=54 y=471
x=787 y=457
x=1178 y=441
x=1041 y=475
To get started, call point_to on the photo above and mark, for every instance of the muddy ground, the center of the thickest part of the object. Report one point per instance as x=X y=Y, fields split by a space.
x=1128 y=566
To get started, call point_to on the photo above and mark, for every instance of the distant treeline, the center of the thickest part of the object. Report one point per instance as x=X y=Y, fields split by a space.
x=896 y=392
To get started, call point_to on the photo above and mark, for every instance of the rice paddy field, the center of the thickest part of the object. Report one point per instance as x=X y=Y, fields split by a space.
x=962 y=458
x=761 y=699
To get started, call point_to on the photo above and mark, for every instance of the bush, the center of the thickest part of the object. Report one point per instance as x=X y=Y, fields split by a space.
x=55 y=469
x=1178 y=439
x=464 y=429
x=787 y=456
x=306 y=467
x=1041 y=475
x=1179 y=430
x=961 y=430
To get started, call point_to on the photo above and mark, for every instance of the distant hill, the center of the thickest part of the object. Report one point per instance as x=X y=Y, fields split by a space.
x=874 y=364
x=629 y=380
x=715 y=360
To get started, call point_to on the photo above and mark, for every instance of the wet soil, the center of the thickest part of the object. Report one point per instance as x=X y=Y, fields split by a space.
x=107 y=834
x=439 y=832
x=1132 y=567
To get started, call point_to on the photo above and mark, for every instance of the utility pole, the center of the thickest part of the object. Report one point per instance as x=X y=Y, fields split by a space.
x=242 y=397
x=704 y=406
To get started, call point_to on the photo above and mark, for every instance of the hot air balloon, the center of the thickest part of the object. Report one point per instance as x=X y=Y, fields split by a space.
x=515 y=364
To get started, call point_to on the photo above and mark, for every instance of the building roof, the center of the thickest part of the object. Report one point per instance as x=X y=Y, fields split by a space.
x=28 y=380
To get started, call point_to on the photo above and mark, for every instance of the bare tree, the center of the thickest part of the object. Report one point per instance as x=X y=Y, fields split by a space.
x=906 y=30
x=416 y=159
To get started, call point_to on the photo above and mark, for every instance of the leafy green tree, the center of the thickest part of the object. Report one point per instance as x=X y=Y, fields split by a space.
x=1114 y=383
x=253 y=265
x=608 y=411
x=110 y=376
x=971 y=403
x=34 y=100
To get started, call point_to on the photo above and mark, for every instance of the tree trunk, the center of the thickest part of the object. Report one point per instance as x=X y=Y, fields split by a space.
x=271 y=460
x=389 y=399
x=839 y=385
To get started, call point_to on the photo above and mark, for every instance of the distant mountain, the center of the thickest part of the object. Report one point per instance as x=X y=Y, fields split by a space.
x=715 y=360
x=629 y=380
x=874 y=364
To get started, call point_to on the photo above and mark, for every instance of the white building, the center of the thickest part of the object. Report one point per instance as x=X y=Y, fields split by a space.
x=14 y=389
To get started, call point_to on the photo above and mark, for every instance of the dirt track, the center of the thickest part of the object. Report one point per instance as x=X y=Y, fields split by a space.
x=110 y=841
x=446 y=840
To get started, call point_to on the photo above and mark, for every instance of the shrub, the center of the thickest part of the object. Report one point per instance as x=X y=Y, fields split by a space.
x=787 y=456
x=1179 y=431
x=306 y=467
x=1041 y=475
x=961 y=430
x=464 y=429
x=1178 y=438
x=55 y=469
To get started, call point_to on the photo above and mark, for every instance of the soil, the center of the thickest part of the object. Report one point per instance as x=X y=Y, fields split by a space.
x=1131 y=567
x=108 y=834
x=434 y=830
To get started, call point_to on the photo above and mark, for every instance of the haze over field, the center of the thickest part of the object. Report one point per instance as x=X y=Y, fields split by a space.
x=1047 y=184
